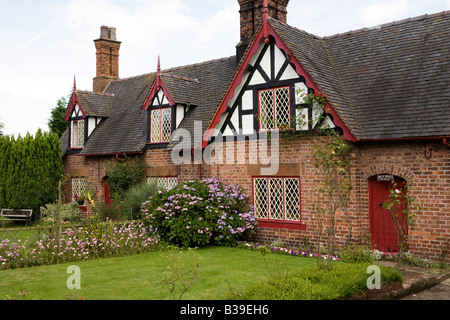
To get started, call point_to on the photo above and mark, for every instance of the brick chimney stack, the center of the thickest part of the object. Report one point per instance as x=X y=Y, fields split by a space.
x=107 y=58
x=251 y=17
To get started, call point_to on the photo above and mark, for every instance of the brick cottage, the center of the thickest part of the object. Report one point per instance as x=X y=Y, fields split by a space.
x=387 y=92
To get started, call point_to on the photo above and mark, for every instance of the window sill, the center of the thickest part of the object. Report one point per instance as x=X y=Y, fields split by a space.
x=289 y=225
x=156 y=145
x=82 y=208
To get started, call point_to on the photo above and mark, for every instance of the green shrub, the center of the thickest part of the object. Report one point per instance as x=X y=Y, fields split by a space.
x=342 y=281
x=68 y=212
x=123 y=175
x=199 y=213
x=30 y=170
x=356 y=253
x=134 y=197
x=109 y=212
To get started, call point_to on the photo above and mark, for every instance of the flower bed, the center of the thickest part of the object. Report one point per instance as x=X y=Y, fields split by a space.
x=281 y=250
x=78 y=244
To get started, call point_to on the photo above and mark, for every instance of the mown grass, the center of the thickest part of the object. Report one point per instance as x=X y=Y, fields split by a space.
x=223 y=273
x=139 y=277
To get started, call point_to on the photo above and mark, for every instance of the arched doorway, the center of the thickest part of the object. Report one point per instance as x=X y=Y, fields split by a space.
x=382 y=228
x=106 y=190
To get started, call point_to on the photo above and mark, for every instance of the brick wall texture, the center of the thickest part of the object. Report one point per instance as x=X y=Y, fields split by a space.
x=428 y=176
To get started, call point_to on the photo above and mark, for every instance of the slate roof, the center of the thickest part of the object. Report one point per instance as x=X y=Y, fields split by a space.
x=214 y=78
x=95 y=104
x=387 y=82
x=125 y=130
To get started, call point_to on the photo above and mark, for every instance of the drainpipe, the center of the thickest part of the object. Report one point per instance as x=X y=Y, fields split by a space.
x=121 y=160
x=445 y=142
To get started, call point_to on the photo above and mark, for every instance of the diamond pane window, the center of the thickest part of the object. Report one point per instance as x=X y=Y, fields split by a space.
x=80 y=134
x=78 y=187
x=274 y=108
x=260 y=197
x=292 y=196
x=163 y=182
x=161 y=125
x=277 y=198
x=77 y=134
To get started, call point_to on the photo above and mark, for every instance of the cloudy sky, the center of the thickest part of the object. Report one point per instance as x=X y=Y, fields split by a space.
x=44 y=43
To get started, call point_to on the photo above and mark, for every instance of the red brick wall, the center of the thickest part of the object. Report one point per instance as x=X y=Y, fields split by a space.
x=92 y=169
x=251 y=14
x=430 y=179
x=107 y=63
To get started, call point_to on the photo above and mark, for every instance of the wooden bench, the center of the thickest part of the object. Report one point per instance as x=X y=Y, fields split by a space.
x=16 y=215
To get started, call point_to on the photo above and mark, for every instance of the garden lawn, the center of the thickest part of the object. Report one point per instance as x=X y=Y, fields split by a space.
x=139 y=277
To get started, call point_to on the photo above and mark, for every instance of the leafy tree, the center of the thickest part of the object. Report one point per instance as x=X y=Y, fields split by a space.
x=1 y=128
x=30 y=169
x=331 y=159
x=332 y=163
x=401 y=207
x=56 y=123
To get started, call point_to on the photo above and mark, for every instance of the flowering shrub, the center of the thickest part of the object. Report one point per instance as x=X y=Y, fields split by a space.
x=78 y=244
x=198 y=213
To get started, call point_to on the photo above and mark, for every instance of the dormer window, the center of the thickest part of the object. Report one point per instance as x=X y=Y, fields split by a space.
x=160 y=119
x=77 y=134
x=160 y=125
x=77 y=127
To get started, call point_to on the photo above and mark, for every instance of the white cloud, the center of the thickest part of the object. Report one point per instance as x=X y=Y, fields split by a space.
x=44 y=43
x=382 y=12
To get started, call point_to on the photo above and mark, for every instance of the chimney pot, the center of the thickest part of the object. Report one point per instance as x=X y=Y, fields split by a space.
x=112 y=33
x=104 y=32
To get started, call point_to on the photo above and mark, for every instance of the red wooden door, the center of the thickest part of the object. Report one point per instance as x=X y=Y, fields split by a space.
x=108 y=200
x=382 y=228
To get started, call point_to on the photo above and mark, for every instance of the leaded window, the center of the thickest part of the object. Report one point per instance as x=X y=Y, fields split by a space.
x=78 y=187
x=277 y=198
x=160 y=125
x=163 y=182
x=77 y=134
x=274 y=108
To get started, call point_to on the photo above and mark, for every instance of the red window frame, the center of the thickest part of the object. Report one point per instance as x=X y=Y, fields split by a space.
x=279 y=223
x=273 y=105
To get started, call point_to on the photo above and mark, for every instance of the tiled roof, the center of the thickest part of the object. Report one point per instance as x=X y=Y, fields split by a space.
x=387 y=82
x=125 y=131
x=95 y=104
x=214 y=78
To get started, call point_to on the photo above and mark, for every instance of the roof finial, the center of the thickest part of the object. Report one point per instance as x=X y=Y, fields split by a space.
x=266 y=10
x=265 y=26
x=159 y=65
x=158 y=73
x=74 y=83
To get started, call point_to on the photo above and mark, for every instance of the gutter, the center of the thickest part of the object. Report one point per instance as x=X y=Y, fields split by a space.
x=444 y=139
x=113 y=154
